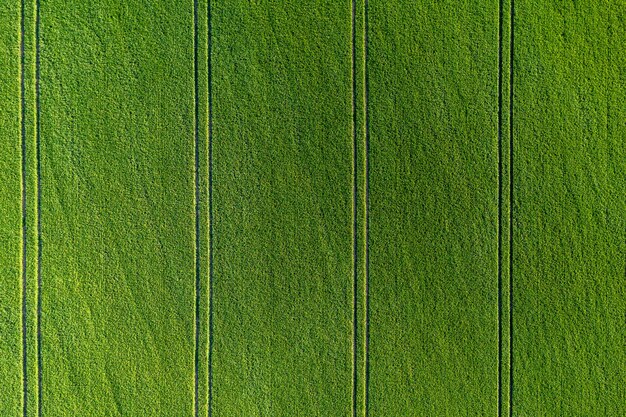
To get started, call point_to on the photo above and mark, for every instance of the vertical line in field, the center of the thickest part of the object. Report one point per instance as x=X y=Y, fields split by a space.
x=366 y=140
x=210 y=208
x=511 y=64
x=24 y=229
x=355 y=269
x=39 y=234
x=197 y=210
x=500 y=30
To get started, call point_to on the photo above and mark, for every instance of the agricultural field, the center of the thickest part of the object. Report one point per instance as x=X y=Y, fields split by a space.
x=286 y=208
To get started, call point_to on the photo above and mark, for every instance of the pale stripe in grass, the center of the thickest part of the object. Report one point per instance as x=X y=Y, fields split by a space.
x=500 y=203
x=366 y=140
x=39 y=233
x=24 y=212
x=197 y=213
x=511 y=62
x=210 y=204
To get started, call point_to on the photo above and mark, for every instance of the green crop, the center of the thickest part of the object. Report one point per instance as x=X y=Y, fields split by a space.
x=312 y=208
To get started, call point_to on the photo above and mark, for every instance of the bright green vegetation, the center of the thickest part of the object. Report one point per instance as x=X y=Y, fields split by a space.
x=302 y=208
x=117 y=144
x=570 y=209
x=283 y=208
x=10 y=213
x=433 y=108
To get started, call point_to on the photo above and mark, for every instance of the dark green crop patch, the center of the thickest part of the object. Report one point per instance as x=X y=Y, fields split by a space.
x=312 y=208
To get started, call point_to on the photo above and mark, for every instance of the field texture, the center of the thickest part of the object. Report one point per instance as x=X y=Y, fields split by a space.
x=287 y=208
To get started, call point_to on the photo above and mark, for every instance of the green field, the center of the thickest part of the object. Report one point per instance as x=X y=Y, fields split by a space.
x=274 y=208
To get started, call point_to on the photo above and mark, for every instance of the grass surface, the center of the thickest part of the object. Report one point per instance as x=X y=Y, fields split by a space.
x=569 y=211
x=117 y=142
x=282 y=181
x=281 y=208
x=10 y=212
x=433 y=107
